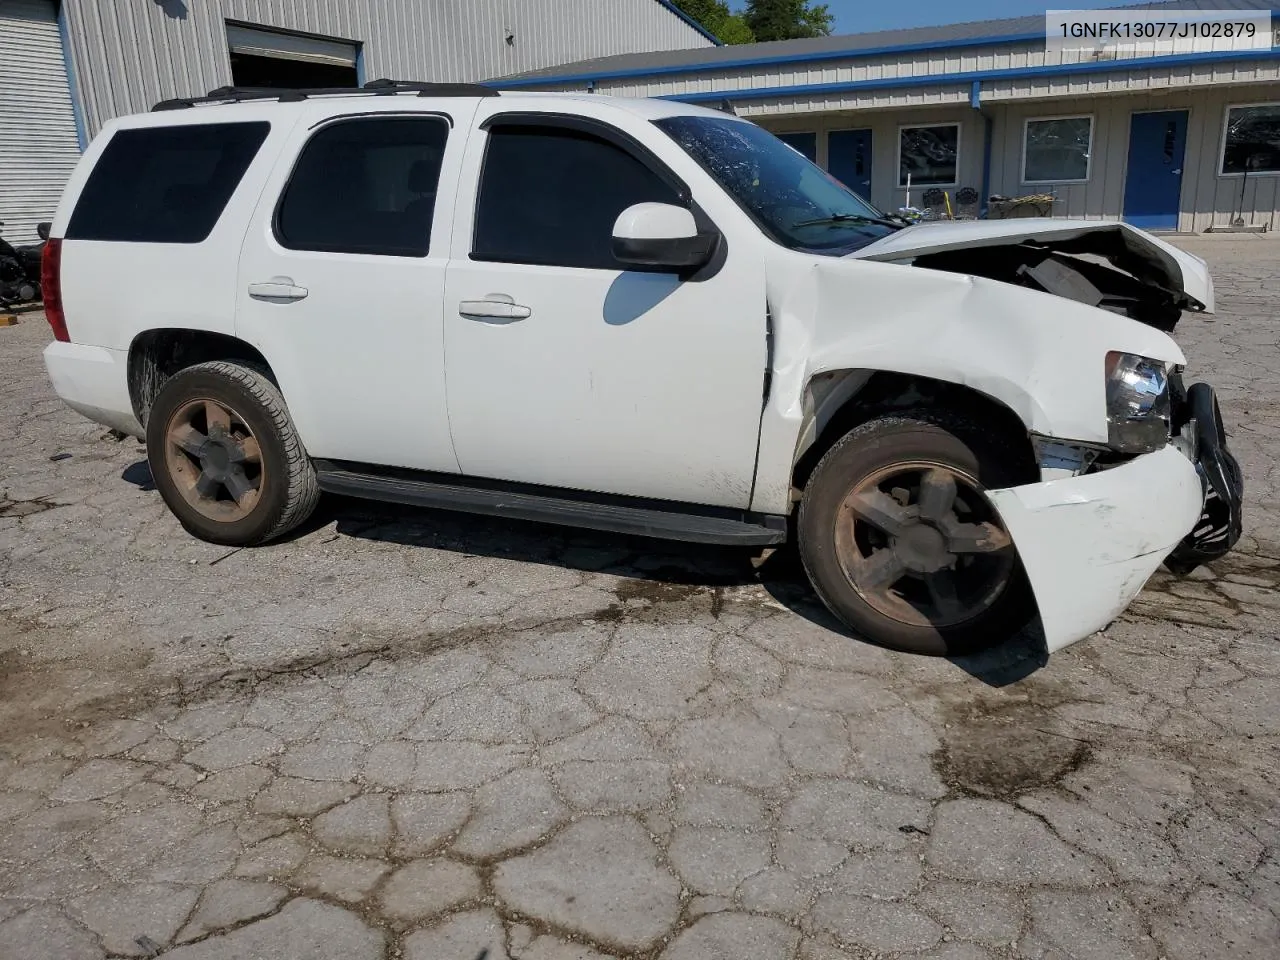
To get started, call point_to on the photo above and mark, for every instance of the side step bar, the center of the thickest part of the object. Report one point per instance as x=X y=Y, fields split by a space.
x=572 y=508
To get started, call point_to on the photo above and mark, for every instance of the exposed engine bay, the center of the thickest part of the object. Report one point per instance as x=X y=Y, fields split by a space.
x=1119 y=286
x=1103 y=264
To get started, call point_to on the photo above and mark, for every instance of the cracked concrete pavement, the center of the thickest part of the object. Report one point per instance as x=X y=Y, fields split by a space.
x=405 y=734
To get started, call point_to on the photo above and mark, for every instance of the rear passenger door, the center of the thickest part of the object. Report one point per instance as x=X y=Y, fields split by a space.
x=341 y=283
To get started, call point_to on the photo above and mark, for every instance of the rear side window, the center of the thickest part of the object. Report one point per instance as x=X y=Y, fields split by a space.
x=365 y=186
x=164 y=184
x=552 y=195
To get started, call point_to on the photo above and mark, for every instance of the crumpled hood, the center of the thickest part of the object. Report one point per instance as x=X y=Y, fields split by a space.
x=1146 y=256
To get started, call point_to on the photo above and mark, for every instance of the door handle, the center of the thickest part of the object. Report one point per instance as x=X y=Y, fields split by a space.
x=277 y=288
x=1176 y=172
x=493 y=309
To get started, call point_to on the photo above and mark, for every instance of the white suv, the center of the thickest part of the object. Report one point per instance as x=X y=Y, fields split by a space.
x=640 y=316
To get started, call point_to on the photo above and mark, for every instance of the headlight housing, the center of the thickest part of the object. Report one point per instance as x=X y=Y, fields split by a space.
x=1138 y=404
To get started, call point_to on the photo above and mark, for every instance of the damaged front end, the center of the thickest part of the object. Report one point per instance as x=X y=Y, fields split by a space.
x=1108 y=265
x=1198 y=431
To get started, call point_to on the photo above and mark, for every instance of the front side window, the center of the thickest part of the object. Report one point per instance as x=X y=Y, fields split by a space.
x=551 y=195
x=795 y=202
x=164 y=184
x=929 y=156
x=1056 y=150
x=1252 y=141
x=365 y=186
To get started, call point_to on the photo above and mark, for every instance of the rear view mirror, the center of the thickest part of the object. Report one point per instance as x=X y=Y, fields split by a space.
x=661 y=235
x=43 y=229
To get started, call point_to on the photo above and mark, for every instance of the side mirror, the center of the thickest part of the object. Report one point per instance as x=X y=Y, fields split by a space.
x=661 y=235
x=43 y=229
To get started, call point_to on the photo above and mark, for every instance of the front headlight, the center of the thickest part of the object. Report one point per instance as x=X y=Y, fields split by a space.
x=1138 y=406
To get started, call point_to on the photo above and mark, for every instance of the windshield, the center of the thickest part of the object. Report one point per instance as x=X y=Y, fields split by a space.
x=794 y=201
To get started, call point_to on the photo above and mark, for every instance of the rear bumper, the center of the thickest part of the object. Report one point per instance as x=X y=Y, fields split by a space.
x=1090 y=543
x=94 y=382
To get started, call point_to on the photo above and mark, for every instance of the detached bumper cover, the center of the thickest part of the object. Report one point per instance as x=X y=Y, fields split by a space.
x=1090 y=543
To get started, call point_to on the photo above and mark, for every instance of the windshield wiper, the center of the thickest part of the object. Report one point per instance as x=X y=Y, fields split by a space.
x=848 y=218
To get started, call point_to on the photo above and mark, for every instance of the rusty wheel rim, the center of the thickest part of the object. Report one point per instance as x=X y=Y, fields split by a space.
x=921 y=544
x=214 y=460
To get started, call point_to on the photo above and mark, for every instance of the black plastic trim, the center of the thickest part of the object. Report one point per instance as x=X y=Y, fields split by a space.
x=660 y=519
x=1221 y=522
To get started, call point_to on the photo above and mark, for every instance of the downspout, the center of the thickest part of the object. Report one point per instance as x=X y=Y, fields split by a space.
x=68 y=59
x=975 y=101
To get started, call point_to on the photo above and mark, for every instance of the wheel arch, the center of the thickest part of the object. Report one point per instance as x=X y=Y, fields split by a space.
x=157 y=354
x=836 y=401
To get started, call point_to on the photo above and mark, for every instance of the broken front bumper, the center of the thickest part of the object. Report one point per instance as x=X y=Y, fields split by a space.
x=1089 y=543
x=1198 y=419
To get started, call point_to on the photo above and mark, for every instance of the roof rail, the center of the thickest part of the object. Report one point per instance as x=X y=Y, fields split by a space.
x=377 y=88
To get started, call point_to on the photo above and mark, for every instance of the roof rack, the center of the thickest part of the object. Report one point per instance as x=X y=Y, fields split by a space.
x=377 y=88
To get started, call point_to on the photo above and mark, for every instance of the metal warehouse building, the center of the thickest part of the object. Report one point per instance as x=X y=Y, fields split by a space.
x=1188 y=142
x=67 y=67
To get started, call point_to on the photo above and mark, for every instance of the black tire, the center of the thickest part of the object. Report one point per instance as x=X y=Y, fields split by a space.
x=907 y=440
x=287 y=491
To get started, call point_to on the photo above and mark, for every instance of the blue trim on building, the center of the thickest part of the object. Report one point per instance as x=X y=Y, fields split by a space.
x=944 y=79
x=774 y=60
x=360 y=64
x=64 y=37
x=975 y=95
x=691 y=22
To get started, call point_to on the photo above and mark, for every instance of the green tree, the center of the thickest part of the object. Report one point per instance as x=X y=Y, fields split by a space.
x=787 y=19
x=716 y=17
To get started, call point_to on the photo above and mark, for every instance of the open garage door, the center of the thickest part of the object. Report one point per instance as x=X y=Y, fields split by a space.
x=269 y=58
x=38 y=143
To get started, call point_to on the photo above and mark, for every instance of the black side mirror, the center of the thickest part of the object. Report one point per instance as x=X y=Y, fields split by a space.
x=43 y=229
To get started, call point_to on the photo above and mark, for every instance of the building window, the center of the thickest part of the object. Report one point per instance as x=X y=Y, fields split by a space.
x=1057 y=149
x=1251 y=141
x=929 y=155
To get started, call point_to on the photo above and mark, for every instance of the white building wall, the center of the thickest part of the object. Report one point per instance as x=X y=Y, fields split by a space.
x=129 y=54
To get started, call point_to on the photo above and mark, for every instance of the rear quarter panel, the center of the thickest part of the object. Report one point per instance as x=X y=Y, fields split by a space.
x=113 y=291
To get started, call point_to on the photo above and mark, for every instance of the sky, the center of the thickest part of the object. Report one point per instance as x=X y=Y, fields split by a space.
x=866 y=16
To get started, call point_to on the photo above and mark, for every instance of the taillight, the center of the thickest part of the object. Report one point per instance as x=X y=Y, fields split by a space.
x=51 y=288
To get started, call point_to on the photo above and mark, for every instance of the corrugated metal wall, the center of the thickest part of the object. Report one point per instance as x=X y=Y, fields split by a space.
x=131 y=53
x=38 y=144
x=926 y=63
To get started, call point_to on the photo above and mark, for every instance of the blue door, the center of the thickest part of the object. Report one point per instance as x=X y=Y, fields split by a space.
x=806 y=143
x=849 y=159
x=1153 y=185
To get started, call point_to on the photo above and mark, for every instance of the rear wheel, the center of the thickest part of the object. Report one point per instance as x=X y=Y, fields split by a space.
x=225 y=456
x=901 y=541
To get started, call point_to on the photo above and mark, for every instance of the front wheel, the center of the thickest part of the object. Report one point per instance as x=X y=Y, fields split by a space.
x=901 y=542
x=225 y=456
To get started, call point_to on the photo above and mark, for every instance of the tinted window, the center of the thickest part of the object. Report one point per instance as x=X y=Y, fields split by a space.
x=551 y=196
x=365 y=186
x=164 y=184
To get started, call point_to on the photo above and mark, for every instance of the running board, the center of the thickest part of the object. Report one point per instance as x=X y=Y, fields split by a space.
x=572 y=508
